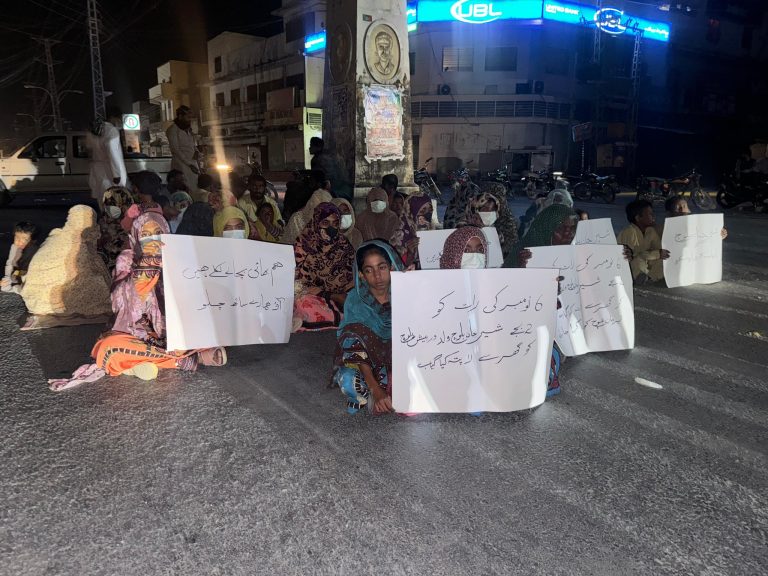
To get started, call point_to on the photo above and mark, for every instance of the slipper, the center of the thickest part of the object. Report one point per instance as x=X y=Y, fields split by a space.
x=143 y=371
x=213 y=356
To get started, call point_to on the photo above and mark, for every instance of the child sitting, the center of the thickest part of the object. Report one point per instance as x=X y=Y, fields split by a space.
x=644 y=241
x=23 y=248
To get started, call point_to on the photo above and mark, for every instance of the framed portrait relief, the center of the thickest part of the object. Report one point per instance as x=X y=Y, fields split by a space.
x=382 y=52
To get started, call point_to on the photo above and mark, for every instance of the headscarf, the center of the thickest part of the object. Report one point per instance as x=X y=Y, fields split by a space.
x=226 y=214
x=361 y=307
x=557 y=196
x=352 y=233
x=545 y=224
x=117 y=196
x=179 y=197
x=300 y=219
x=197 y=220
x=408 y=226
x=113 y=236
x=323 y=262
x=383 y=225
x=457 y=206
x=456 y=244
x=261 y=231
x=135 y=210
x=506 y=223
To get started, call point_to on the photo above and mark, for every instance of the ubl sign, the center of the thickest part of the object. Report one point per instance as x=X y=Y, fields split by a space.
x=475 y=12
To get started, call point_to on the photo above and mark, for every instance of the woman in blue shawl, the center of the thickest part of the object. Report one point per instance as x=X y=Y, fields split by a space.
x=363 y=361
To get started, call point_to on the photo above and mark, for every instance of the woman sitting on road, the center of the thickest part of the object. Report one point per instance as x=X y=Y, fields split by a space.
x=554 y=226
x=264 y=227
x=114 y=237
x=136 y=344
x=230 y=222
x=466 y=248
x=363 y=359
x=197 y=220
x=678 y=206
x=489 y=209
x=348 y=222
x=299 y=220
x=417 y=217
x=324 y=259
x=377 y=220
x=558 y=196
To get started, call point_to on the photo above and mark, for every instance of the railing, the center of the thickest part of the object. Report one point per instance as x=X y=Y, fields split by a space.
x=465 y=108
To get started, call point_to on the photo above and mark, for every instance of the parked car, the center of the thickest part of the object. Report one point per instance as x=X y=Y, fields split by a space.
x=59 y=162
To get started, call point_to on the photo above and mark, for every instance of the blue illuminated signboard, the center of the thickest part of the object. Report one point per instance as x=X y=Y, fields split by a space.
x=411 y=19
x=478 y=11
x=609 y=20
x=314 y=42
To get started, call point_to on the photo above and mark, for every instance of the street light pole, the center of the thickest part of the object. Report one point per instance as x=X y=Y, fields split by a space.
x=53 y=91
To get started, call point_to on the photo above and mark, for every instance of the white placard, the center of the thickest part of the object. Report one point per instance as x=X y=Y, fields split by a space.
x=431 y=244
x=226 y=292
x=695 y=249
x=598 y=231
x=472 y=340
x=597 y=312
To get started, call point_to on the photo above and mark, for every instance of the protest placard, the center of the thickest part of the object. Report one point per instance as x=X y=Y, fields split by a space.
x=472 y=340
x=695 y=249
x=226 y=292
x=598 y=231
x=597 y=307
x=431 y=244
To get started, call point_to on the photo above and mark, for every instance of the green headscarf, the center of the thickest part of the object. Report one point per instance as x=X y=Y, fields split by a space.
x=541 y=231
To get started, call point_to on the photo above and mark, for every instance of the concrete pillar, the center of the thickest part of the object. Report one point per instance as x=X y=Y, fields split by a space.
x=366 y=101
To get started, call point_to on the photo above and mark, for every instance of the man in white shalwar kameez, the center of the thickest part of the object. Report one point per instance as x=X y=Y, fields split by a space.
x=183 y=147
x=107 y=165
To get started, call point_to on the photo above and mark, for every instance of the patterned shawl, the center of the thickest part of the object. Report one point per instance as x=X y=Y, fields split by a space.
x=506 y=222
x=456 y=244
x=300 y=219
x=322 y=261
x=352 y=233
x=113 y=237
x=383 y=225
x=226 y=214
x=457 y=206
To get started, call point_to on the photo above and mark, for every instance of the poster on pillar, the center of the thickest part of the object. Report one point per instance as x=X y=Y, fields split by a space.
x=383 y=106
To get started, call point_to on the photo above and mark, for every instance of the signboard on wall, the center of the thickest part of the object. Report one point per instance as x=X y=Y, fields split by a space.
x=383 y=123
x=608 y=19
x=477 y=11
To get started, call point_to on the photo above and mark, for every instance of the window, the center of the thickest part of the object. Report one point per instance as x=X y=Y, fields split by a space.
x=556 y=61
x=217 y=65
x=297 y=28
x=234 y=96
x=268 y=87
x=457 y=59
x=50 y=147
x=251 y=93
x=501 y=59
x=80 y=149
x=295 y=81
x=220 y=99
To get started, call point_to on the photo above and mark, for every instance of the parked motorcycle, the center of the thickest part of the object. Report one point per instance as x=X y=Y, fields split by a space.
x=656 y=189
x=426 y=184
x=543 y=180
x=593 y=186
x=502 y=176
x=738 y=188
x=460 y=179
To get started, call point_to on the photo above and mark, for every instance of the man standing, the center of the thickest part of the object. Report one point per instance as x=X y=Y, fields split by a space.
x=182 y=142
x=107 y=165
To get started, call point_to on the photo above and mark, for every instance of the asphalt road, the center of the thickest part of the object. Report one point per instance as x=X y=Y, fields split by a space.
x=255 y=468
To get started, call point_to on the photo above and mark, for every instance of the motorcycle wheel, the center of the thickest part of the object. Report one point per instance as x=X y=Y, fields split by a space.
x=726 y=199
x=609 y=193
x=581 y=191
x=702 y=200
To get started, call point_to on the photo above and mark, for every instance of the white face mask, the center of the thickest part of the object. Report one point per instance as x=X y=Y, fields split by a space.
x=472 y=261
x=378 y=206
x=488 y=218
x=346 y=221
x=239 y=234
x=113 y=212
x=149 y=239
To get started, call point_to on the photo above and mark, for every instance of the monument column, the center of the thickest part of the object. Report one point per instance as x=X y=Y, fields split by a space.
x=366 y=101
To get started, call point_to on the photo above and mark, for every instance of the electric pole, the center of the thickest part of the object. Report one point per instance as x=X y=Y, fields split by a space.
x=99 y=109
x=55 y=103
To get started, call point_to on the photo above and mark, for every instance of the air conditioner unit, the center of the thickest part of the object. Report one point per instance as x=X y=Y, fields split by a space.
x=538 y=87
x=443 y=89
x=523 y=88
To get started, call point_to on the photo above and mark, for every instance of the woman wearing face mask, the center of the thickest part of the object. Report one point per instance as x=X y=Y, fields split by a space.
x=113 y=238
x=489 y=209
x=299 y=220
x=348 y=222
x=136 y=344
x=363 y=359
x=230 y=222
x=324 y=260
x=377 y=220
x=465 y=248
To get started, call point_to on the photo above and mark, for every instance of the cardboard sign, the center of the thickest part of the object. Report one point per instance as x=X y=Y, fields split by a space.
x=598 y=231
x=431 y=244
x=597 y=310
x=695 y=249
x=472 y=340
x=226 y=292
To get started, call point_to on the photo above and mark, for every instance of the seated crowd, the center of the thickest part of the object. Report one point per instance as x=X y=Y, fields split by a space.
x=104 y=267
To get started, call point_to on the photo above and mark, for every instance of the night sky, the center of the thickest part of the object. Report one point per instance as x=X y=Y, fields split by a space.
x=137 y=36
